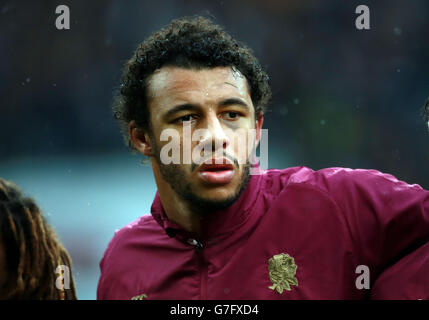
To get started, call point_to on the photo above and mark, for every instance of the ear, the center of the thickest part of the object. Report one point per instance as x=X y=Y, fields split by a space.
x=139 y=139
x=258 y=126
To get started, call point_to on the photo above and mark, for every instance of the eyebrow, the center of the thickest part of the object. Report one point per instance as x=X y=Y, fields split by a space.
x=196 y=107
x=234 y=101
x=181 y=107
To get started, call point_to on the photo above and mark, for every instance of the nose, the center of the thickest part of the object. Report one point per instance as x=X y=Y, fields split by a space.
x=215 y=135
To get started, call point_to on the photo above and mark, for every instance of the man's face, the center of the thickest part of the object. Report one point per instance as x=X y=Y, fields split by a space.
x=218 y=101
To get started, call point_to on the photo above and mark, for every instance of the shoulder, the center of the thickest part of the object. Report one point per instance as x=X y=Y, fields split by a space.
x=359 y=177
x=375 y=188
x=135 y=231
x=385 y=215
x=338 y=181
x=122 y=251
x=368 y=199
x=366 y=194
x=145 y=222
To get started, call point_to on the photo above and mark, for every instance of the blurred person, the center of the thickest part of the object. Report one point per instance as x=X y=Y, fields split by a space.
x=216 y=231
x=30 y=252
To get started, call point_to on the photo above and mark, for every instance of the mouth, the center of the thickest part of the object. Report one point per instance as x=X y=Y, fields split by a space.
x=217 y=174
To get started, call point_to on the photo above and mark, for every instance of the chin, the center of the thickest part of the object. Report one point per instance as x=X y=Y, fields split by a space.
x=216 y=194
x=213 y=199
x=218 y=197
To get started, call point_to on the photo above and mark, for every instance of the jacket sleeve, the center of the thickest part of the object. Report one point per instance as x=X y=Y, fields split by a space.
x=407 y=279
x=388 y=221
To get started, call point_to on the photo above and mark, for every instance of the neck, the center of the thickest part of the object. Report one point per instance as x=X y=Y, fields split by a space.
x=180 y=212
x=176 y=208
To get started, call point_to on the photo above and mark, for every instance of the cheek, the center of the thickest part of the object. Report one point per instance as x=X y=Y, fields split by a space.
x=241 y=144
x=168 y=144
x=242 y=123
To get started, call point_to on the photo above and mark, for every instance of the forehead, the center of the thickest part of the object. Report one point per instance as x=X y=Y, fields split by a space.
x=175 y=82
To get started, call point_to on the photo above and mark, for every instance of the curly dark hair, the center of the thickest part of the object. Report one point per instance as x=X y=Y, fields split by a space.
x=190 y=42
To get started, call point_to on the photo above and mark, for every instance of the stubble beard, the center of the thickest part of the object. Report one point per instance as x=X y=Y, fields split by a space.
x=175 y=176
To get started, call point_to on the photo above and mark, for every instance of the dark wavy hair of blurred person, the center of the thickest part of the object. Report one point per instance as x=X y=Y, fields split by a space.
x=194 y=42
x=31 y=250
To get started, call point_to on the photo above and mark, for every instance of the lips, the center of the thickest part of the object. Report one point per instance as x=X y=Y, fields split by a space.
x=216 y=174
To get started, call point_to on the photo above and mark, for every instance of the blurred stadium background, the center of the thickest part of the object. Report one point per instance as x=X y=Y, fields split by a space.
x=342 y=97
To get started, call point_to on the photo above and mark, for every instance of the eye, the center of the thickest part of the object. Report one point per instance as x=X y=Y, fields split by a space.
x=232 y=115
x=188 y=117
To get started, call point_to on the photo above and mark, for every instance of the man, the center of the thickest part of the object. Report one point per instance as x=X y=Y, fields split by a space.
x=216 y=231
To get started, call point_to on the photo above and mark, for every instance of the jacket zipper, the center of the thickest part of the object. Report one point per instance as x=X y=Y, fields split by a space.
x=202 y=267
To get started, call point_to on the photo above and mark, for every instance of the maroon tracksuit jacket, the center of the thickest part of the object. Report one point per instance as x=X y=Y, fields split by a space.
x=295 y=233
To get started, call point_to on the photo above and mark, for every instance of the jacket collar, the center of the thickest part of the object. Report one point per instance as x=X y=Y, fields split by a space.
x=217 y=223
